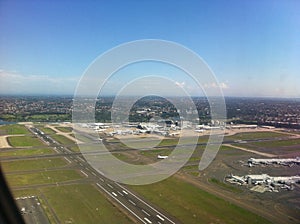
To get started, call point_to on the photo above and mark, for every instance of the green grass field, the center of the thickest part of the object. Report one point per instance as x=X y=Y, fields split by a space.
x=192 y=205
x=82 y=204
x=63 y=140
x=225 y=147
x=48 y=117
x=64 y=129
x=191 y=169
x=224 y=185
x=24 y=141
x=74 y=148
x=186 y=140
x=123 y=157
x=33 y=164
x=26 y=152
x=153 y=153
x=47 y=131
x=42 y=177
x=255 y=135
x=279 y=143
x=13 y=129
x=81 y=138
x=163 y=142
x=27 y=192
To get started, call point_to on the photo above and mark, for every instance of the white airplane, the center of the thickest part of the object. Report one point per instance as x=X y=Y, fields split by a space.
x=162 y=157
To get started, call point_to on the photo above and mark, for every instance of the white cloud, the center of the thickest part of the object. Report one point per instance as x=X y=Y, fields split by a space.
x=180 y=84
x=223 y=85
x=214 y=85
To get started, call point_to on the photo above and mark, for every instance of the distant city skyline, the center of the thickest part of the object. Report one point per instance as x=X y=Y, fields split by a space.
x=253 y=47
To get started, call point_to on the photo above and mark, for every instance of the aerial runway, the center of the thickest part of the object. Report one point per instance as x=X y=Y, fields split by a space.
x=138 y=208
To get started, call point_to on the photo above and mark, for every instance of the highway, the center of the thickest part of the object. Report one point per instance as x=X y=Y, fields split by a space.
x=138 y=208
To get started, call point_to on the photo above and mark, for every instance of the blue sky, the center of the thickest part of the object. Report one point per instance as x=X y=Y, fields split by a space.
x=253 y=47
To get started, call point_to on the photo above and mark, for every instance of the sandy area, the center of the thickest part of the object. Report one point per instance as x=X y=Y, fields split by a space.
x=252 y=151
x=65 y=134
x=4 y=142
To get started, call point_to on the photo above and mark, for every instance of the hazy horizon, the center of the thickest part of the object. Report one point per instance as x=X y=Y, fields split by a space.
x=173 y=96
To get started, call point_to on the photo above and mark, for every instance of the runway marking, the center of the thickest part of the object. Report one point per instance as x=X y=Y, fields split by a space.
x=132 y=202
x=145 y=212
x=120 y=193
x=81 y=160
x=100 y=172
x=101 y=179
x=84 y=173
x=67 y=159
x=147 y=220
x=94 y=174
x=122 y=204
x=158 y=216
x=145 y=203
x=124 y=192
x=114 y=194
x=110 y=186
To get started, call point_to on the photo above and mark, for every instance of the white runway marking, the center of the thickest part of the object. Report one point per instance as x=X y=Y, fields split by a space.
x=147 y=220
x=84 y=173
x=158 y=216
x=145 y=212
x=67 y=159
x=122 y=204
x=131 y=202
x=110 y=186
x=145 y=203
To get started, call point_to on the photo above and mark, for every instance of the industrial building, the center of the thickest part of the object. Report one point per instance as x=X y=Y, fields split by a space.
x=242 y=126
x=284 y=162
x=267 y=183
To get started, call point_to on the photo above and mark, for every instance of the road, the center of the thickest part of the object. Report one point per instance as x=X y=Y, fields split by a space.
x=252 y=151
x=137 y=207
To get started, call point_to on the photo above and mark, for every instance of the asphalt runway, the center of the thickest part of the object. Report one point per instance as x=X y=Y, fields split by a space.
x=138 y=208
x=32 y=210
